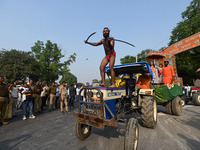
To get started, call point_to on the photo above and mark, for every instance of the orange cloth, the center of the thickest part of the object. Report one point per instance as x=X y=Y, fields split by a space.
x=153 y=69
x=168 y=73
x=144 y=82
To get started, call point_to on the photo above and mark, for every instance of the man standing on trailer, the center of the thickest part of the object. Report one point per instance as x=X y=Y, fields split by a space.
x=168 y=73
x=108 y=43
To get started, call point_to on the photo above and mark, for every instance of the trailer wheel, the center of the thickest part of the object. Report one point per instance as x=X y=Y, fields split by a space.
x=177 y=106
x=168 y=107
x=196 y=98
x=149 y=111
x=132 y=135
x=182 y=102
x=82 y=131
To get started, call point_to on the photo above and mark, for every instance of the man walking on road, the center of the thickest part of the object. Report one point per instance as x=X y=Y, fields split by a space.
x=14 y=96
x=4 y=93
x=63 y=97
x=72 y=94
x=38 y=100
x=52 y=90
x=108 y=43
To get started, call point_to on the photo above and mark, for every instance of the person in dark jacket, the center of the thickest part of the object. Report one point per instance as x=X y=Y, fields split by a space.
x=72 y=93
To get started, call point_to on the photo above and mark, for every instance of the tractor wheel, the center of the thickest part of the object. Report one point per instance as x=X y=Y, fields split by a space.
x=82 y=131
x=177 y=106
x=168 y=107
x=196 y=98
x=149 y=111
x=132 y=135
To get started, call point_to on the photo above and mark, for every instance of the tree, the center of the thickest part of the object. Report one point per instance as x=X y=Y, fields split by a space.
x=128 y=59
x=190 y=24
x=69 y=78
x=95 y=81
x=141 y=56
x=18 y=65
x=187 y=62
x=49 y=56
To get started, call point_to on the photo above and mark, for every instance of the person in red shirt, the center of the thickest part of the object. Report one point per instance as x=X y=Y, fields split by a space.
x=168 y=73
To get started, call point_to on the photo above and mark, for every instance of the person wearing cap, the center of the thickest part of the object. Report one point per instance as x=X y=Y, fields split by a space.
x=168 y=73
x=52 y=90
x=4 y=94
x=63 y=98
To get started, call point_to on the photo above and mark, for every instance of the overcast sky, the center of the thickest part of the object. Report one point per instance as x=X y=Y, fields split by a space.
x=144 y=23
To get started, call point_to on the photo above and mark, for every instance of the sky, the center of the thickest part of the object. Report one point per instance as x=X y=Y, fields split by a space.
x=144 y=23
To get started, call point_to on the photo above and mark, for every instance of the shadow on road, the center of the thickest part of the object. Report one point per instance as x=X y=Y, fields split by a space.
x=83 y=148
x=108 y=132
x=193 y=122
x=11 y=144
x=193 y=144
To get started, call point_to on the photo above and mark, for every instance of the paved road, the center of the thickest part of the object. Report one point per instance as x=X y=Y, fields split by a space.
x=55 y=131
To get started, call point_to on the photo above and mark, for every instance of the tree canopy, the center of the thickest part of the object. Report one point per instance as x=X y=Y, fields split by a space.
x=187 y=62
x=132 y=59
x=49 y=55
x=128 y=59
x=18 y=65
x=69 y=78
x=142 y=54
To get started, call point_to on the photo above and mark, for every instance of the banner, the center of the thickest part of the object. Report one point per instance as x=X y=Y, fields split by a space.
x=183 y=45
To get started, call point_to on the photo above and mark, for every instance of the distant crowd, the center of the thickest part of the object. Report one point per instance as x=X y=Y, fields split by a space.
x=33 y=99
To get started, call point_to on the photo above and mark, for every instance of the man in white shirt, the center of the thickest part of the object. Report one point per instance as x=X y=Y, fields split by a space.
x=188 y=90
x=77 y=94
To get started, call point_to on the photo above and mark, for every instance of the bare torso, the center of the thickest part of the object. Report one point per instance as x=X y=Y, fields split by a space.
x=108 y=46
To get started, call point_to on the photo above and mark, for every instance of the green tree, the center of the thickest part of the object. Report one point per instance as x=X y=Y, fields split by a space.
x=187 y=62
x=128 y=59
x=49 y=55
x=18 y=65
x=95 y=81
x=69 y=78
x=142 y=54
x=107 y=82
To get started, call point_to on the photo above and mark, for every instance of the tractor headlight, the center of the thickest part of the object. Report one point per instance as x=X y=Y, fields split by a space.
x=98 y=95
x=134 y=93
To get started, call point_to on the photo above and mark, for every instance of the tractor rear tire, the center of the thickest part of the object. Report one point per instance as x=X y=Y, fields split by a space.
x=82 y=131
x=149 y=111
x=196 y=98
x=132 y=135
x=168 y=107
x=177 y=106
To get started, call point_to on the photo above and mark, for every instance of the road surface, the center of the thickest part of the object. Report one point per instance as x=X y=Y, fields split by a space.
x=55 y=131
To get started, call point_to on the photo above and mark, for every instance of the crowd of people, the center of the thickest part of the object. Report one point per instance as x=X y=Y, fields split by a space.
x=36 y=97
x=33 y=99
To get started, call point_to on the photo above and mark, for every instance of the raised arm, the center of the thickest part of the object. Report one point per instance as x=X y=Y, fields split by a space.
x=94 y=44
